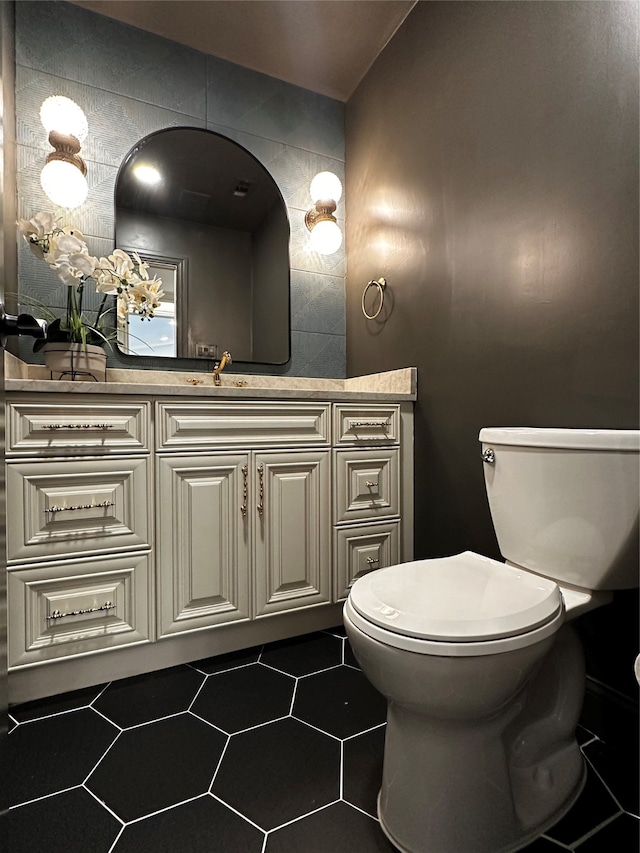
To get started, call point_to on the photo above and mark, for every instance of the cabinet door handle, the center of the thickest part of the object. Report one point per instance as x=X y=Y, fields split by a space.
x=102 y=505
x=245 y=475
x=370 y=485
x=378 y=424
x=105 y=607
x=261 y=489
x=372 y=561
x=77 y=426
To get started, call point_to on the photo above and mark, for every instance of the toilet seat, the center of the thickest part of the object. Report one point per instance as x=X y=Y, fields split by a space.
x=461 y=605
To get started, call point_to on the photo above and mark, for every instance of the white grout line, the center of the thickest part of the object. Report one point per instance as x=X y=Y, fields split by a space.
x=165 y=809
x=231 y=808
x=115 y=841
x=608 y=789
x=108 y=719
x=105 y=753
x=302 y=816
x=341 y=769
x=315 y=728
x=318 y=671
x=215 y=772
x=45 y=797
x=275 y=669
x=293 y=697
x=362 y=811
x=209 y=723
x=595 y=830
x=366 y=731
x=219 y=672
x=103 y=804
x=198 y=691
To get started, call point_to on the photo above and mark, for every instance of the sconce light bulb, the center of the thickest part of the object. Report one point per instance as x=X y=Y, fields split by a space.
x=65 y=116
x=326 y=237
x=326 y=186
x=64 y=183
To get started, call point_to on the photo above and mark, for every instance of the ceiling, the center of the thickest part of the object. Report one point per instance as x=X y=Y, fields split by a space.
x=326 y=46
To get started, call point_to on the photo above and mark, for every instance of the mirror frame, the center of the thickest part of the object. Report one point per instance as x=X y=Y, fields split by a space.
x=155 y=362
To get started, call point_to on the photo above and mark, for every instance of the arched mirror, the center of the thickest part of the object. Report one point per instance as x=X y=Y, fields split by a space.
x=212 y=224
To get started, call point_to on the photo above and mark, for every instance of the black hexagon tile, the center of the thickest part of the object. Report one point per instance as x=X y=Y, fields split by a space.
x=203 y=825
x=157 y=765
x=136 y=700
x=304 y=655
x=56 y=752
x=73 y=700
x=339 y=701
x=244 y=697
x=336 y=829
x=362 y=769
x=278 y=772
x=70 y=822
x=230 y=660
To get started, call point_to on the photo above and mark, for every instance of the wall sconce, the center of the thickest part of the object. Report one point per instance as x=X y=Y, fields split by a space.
x=326 y=191
x=63 y=177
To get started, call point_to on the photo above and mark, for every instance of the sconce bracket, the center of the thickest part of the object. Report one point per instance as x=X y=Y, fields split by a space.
x=66 y=148
x=323 y=211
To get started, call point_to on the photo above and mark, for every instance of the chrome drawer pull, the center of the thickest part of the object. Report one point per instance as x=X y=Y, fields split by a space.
x=106 y=606
x=370 y=485
x=102 y=505
x=381 y=424
x=371 y=561
x=77 y=426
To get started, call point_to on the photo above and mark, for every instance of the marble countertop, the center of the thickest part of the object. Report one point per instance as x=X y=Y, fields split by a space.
x=393 y=385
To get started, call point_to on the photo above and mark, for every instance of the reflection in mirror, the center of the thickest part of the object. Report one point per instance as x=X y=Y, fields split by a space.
x=157 y=337
x=212 y=223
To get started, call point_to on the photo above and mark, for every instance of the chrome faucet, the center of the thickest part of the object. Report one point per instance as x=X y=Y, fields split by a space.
x=219 y=366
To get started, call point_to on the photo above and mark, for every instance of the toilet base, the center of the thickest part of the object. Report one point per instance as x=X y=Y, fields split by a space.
x=480 y=752
x=520 y=844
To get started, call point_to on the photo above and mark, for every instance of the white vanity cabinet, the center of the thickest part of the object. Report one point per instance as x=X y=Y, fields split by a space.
x=241 y=536
x=146 y=531
x=79 y=527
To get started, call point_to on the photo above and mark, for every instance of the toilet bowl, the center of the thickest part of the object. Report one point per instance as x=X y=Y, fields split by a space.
x=482 y=670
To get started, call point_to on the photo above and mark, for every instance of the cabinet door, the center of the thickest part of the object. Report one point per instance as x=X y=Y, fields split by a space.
x=292 y=563
x=202 y=540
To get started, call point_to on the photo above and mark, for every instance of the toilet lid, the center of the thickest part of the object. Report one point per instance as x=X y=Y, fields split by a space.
x=462 y=598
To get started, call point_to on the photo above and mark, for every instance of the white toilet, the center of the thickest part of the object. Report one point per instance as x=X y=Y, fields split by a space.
x=483 y=675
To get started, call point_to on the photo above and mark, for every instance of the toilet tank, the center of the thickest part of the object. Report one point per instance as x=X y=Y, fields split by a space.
x=565 y=502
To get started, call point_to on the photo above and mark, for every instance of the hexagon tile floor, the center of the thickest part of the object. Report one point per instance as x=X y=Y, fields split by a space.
x=270 y=750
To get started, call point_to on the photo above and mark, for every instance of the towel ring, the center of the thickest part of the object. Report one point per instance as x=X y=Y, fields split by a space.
x=381 y=283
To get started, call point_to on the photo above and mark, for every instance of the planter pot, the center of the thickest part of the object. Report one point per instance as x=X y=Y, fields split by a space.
x=76 y=362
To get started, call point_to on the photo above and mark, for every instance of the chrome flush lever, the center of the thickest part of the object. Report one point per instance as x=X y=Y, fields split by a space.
x=488 y=456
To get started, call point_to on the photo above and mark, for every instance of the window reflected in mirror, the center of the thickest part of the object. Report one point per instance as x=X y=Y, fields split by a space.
x=157 y=337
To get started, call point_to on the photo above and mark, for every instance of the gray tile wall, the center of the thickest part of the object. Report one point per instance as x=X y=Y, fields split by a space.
x=130 y=83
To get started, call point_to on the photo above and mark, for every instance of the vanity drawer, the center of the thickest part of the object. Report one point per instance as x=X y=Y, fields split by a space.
x=362 y=549
x=367 y=484
x=66 y=508
x=241 y=425
x=360 y=425
x=58 y=610
x=37 y=428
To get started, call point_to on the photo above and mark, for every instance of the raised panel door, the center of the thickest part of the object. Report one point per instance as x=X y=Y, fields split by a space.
x=203 y=541
x=292 y=548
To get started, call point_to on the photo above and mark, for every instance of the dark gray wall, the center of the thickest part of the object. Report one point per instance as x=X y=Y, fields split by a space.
x=492 y=177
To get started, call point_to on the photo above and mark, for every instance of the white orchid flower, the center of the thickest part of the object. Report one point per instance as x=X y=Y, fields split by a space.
x=122 y=263
x=142 y=266
x=68 y=274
